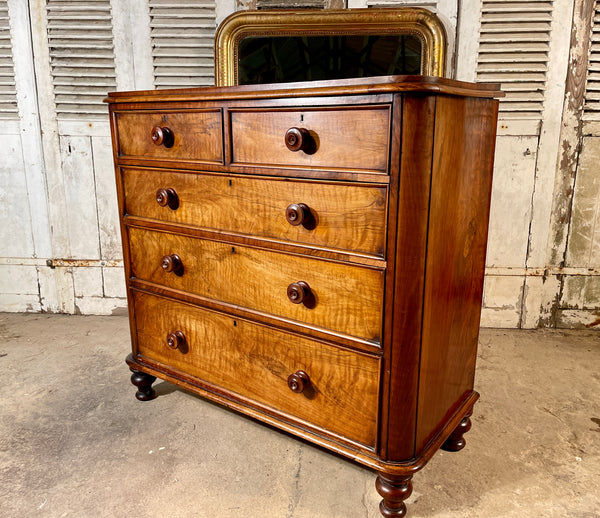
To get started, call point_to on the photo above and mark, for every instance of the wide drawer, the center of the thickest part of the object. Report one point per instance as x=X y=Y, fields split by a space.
x=340 y=297
x=334 y=215
x=354 y=139
x=255 y=362
x=194 y=135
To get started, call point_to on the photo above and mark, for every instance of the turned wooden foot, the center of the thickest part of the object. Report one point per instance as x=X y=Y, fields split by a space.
x=394 y=489
x=143 y=382
x=456 y=441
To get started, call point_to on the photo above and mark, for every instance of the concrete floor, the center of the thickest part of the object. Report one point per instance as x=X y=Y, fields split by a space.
x=75 y=442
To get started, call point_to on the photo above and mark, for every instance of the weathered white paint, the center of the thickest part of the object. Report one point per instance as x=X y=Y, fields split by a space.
x=510 y=210
x=584 y=237
x=29 y=122
x=539 y=253
x=141 y=49
x=87 y=282
x=467 y=39
x=502 y=300
x=106 y=199
x=15 y=232
x=114 y=283
x=223 y=8
x=78 y=174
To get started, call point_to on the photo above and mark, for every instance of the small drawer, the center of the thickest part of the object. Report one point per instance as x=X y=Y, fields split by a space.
x=339 y=297
x=341 y=139
x=330 y=214
x=178 y=136
x=328 y=387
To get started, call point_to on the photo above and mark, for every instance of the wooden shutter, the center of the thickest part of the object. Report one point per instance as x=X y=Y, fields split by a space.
x=80 y=42
x=182 y=34
x=513 y=50
x=8 y=94
x=592 y=88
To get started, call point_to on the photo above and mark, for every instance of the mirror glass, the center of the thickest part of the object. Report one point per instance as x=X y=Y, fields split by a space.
x=281 y=59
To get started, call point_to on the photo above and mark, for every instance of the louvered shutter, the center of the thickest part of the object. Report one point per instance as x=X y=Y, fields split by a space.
x=182 y=34
x=513 y=50
x=592 y=88
x=80 y=42
x=8 y=95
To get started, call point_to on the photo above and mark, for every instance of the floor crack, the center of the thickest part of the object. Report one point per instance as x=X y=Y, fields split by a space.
x=295 y=498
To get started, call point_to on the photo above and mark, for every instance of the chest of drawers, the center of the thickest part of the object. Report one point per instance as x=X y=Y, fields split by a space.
x=312 y=255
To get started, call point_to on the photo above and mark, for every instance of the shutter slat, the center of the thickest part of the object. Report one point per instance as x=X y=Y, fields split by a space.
x=513 y=51
x=80 y=42
x=182 y=35
x=8 y=92
x=591 y=107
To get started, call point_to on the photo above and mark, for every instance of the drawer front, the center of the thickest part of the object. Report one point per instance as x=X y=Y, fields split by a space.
x=343 y=298
x=255 y=361
x=338 y=139
x=190 y=135
x=341 y=216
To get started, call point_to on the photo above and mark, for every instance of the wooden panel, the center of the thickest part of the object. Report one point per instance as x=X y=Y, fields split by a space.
x=459 y=211
x=197 y=135
x=346 y=216
x=348 y=299
x=80 y=191
x=413 y=211
x=255 y=361
x=355 y=139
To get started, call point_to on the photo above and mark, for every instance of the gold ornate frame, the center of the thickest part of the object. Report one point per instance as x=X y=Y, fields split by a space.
x=412 y=20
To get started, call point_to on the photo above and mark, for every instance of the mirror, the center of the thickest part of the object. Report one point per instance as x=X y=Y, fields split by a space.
x=254 y=47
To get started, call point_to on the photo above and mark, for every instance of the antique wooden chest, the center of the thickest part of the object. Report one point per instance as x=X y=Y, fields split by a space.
x=312 y=255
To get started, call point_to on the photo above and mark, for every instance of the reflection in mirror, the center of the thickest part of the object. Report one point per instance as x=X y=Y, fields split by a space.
x=280 y=59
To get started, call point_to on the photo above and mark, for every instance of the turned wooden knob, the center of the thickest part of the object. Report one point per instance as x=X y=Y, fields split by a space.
x=176 y=340
x=298 y=139
x=298 y=381
x=172 y=263
x=162 y=136
x=297 y=213
x=167 y=198
x=298 y=292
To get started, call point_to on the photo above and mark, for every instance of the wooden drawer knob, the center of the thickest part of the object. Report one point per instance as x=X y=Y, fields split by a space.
x=172 y=263
x=176 y=340
x=162 y=136
x=298 y=292
x=167 y=198
x=298 y=381
x=297 y=213
x=299 y=139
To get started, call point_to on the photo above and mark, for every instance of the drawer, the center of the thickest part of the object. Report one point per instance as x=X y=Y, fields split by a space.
x=190 y=135
x=336 y=139
x=334 y=215
x=339 y=297
x=255 y=362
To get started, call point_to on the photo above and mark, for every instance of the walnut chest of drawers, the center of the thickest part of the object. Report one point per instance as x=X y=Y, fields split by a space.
x=312 y=255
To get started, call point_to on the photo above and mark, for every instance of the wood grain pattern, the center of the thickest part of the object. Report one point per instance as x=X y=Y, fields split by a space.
x=354 y=139
x=406 y=314
x=347 y=216
x=348 y=298
x=255 y=361
x=197 y=135
x=463 y=154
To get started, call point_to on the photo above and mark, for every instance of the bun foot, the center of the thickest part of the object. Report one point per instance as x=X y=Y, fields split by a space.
x=456 y=441
x=394 y=489
x=143 y=382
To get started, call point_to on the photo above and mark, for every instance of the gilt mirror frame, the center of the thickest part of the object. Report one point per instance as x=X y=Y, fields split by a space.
x=362 y=22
